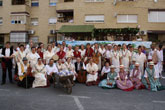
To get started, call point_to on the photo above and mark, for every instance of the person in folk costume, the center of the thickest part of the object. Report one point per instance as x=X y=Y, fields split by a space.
x=102 y=52
x=54 y=47
x=7 y=56
x=61 y=54
x=154 y=55
x=141 y=59
x=132 y=66
x=82 y=50
x=105 y=70
x=62 y=69
x=29 y=47
x=108 y=52
x=48 y=54
x=97 y=56
x=33 y=57
x=126 y=57
x=76 y=54
x=51 y=70
x=115 y=58
x=25 y=74
x=135 y=77
x=41 y=54
x=119 y=48
x=92 y=70
x=69 y=52
x=42 y=47
x=160 y=63
x=39 y=74
x=132 y=52
x=70 y=68
x=88 y=53
x=123 y=82
x=80 y=70
x=64 y=46
x=110 y=81
x=151 y=79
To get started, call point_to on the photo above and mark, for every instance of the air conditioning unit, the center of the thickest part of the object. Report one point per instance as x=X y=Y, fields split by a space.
x=60 y=15
x=143 y=32
x=31 y=32
x=52 y=31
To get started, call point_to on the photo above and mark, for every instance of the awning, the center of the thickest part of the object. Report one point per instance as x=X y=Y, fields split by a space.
x=156 y=31
x=76 y=29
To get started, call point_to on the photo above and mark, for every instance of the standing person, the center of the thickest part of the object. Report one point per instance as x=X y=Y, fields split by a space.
x=141 y=59
x=108 y=53
x=64 y=46
x=92 y=70
x=54 y=48
x=160 y=62
x=69 y=52
x=132 y=52
x=29 y=46
x=41 y=54
x=39 y=74
x=123 y=82
x=82 y=50
x=24 y=72
x=97 y=56
x=33 y=57
x=7 y=53
x=151 y=78
x=76 y=54
x=135 y=76
x=42 y=47
x=110 y=81
x=102 y=52
x=126 y=57
x=88 y=53
x=115 y=58
x=61 y=54
x=48 y=54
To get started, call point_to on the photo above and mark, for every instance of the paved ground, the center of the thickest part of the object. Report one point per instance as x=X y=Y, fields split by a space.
x=82 y=98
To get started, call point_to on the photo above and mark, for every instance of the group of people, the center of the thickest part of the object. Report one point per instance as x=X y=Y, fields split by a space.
x=108 y=66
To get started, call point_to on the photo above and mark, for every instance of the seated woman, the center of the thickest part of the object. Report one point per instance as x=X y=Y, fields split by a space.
x=62 y=69
x=24 y=72
x=105 y=71
x=123 y=82
x=110 y=82
x=151 y=79
x=92 y=76
x=39 y=74
x=70 y=68
x=132 y=66
x=135 y=76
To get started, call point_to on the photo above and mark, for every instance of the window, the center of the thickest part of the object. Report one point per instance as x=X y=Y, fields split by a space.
x=1 y=2
x=52 y=20
x=35 y=39
x=18 y=37
x=94 y=18
x=18 y=2
x=34 y=21
x=34 y=3
x=94 y=0
x=18 y=19
x=156 y=16
x=126 y=18
x=51 y=39
x=53 y=2
x=1 y=20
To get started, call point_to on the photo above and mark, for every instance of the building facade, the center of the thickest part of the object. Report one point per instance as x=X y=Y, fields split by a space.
x=46 y=20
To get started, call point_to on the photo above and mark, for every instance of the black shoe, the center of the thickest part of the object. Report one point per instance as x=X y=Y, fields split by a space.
x=2 y=83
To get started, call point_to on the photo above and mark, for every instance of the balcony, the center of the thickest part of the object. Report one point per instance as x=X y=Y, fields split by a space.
x=65 y=16
x=65 y=4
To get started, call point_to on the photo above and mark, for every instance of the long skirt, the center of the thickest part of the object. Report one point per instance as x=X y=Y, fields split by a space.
x=91 y=77
x=103 y=84
x=40 y=80
x=137 y=83
x=128 y=87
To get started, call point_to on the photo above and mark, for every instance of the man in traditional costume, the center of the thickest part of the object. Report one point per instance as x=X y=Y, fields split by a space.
x=48 y=54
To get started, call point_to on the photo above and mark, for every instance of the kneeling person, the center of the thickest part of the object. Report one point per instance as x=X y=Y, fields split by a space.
x=25 y=76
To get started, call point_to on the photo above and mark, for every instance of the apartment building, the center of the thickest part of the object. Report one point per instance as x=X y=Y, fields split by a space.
x=50 y=20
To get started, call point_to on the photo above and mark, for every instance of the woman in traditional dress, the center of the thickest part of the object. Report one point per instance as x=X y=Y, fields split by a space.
x=82 y=50
x=151 y=79
x=126 y=57
x=69 y=52
x=102 y=52
x=110 y=82
x=48 y=54
x=62 y=69
x=135 y=76
x=33 y=57
x=39 y=74
x=123 y=82
x=61 y=54
x=97 y=56
x=88 y=53
x=115 y=58
x=92 y=70
x=105 y=70
x=77 y=54
x=132 y=66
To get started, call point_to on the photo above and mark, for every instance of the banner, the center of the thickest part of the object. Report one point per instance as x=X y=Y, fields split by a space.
x=134 y=43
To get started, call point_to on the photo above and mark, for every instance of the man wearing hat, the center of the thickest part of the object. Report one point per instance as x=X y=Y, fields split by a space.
x=24 y=74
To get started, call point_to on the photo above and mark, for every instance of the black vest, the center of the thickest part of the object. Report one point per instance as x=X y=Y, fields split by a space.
x=3 y=53
x=76 y=66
